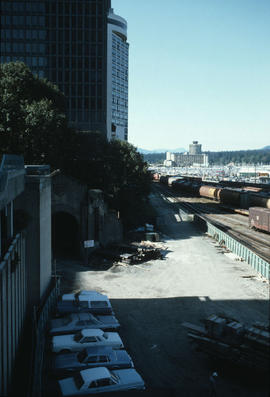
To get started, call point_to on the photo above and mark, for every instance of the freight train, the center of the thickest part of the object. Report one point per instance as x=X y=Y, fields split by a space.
x=244 y=197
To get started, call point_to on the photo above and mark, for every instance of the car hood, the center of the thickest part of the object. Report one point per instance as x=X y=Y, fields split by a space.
x=113 y=337
x=129 y=376
x=68 y=387
x=109 y=321
x=63 y=340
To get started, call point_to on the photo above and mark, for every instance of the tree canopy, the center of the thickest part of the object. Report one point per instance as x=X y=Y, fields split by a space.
x=33 y=123
x=32 y=117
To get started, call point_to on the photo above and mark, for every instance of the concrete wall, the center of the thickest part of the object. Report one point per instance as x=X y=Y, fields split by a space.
x=112 y=230
x=89 y=210
x=36 y=202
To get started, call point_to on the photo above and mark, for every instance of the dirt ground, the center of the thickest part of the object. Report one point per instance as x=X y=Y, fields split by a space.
x=195 y=279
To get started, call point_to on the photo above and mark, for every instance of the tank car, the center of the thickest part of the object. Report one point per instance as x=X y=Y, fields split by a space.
x=230 y=196
x=208 y=191
x=257 y=200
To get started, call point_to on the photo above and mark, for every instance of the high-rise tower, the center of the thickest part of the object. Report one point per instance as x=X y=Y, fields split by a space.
x=66 y=42
x=117 y=78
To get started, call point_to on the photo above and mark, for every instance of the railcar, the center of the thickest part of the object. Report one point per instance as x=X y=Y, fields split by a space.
x=259 y=218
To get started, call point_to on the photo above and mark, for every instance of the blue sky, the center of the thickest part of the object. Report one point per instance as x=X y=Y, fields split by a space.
x=199 y=70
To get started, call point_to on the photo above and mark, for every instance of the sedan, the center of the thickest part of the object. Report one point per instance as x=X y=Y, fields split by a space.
x=77 y=321
x=91 y=357
x=86 y=301
x=85 y=338
x=100 y=380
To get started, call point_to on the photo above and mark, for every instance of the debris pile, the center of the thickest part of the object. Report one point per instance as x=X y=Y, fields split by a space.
x=228 y=339
x=141 y=255
x=128 y=254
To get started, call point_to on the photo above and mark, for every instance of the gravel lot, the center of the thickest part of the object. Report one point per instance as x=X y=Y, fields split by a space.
x=195 y=279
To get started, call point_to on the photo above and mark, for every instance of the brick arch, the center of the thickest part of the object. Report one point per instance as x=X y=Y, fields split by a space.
x=69 y=209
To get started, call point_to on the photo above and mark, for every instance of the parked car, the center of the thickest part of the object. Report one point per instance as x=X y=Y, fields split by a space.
x=85 y=338
x=100 y=380
x=91 y=357
x=86 y=301
x=76 y=321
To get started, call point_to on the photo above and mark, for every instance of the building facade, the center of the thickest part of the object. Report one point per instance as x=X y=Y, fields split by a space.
x=117 y=78
x=195 y=157
x=68 y=42
x=195 y=148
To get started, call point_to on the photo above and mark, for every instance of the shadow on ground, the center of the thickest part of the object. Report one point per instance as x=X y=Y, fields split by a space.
x=158 y=344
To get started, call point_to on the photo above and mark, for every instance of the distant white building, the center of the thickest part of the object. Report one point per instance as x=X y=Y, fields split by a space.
x=195 y=157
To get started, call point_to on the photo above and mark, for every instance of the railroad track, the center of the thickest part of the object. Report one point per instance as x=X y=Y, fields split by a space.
x=234 y=224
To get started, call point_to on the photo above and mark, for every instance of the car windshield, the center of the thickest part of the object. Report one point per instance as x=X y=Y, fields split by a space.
x=78 y=337
x=66 y=320
x=115 y=377
x=78 y=380
x=82 y=356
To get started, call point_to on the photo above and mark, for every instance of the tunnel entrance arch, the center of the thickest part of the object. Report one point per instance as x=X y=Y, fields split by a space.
x=65 y=236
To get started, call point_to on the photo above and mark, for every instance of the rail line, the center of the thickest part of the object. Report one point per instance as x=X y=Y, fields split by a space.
x=235 y=225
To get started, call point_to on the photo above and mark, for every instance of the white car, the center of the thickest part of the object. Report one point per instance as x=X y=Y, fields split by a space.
x=74 y=322
x=85 y=301
x=85 y=338
x=100 y=380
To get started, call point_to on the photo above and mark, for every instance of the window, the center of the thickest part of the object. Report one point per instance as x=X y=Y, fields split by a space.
x=104 y=382
x=82 y=355
x=81 y=322
x=78 y=337
x=103 y=359
x=78 y=380
x=92 y=359
x=42 y=34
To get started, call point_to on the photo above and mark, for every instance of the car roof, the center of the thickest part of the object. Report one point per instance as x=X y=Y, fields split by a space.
x=85 y=292
x=92 y=332
x=91 y=374
x=81 y=316
x=86 y=295
x=68 y=297
x=92 y=297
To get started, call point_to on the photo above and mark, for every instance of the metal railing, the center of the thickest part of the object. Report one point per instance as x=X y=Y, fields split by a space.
x=41 y=315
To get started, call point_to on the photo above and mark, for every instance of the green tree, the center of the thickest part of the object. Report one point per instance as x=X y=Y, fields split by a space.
x=33 y=123
x=32 y=118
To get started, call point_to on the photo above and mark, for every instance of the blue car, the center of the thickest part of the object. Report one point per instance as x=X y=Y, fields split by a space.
x=65 y=364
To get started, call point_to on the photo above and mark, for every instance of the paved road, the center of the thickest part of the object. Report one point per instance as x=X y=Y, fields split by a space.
x=196 y=278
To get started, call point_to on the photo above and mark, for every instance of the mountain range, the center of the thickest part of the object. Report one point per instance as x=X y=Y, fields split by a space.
x=178 y=150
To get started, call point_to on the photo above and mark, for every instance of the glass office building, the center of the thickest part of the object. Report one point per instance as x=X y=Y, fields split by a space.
x=66 y=42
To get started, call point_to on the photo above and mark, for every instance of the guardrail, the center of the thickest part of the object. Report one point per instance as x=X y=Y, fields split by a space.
x=256 y=262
